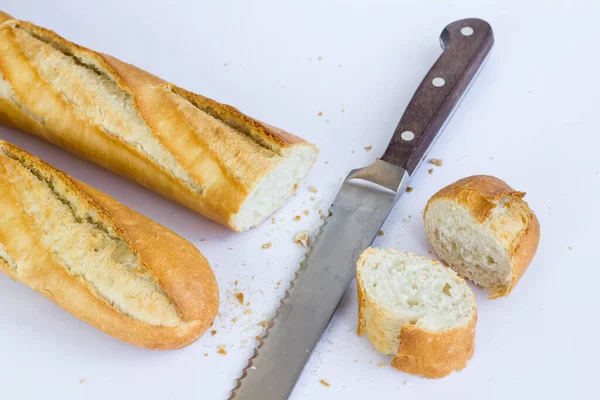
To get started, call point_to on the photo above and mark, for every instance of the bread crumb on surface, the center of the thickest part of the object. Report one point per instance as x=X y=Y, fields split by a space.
x=263 y=323
x=205 y=354
x=381 y=365
x=312 y=198
x=320 y=114
x=82 y=380
x=312 y=189
x=570 y=248
x=247 y=311
x=235 y=283
x=306 y=212
x=272 y=220
x=437 y=162
x=324 y=383
x=297 y=218
x=267 y=245
x=240 y=297
x=409 y=189
x=222 y=351
x=430 y=171
x=381 y=233
x=368 y=148
x=301 y=238
x=234 y=320
x=213 y=332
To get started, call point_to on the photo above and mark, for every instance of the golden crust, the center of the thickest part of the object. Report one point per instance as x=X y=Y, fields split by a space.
x=435 y=354
x=181 y=271
x=221 y=193
x=480 y=194
x=420 y=352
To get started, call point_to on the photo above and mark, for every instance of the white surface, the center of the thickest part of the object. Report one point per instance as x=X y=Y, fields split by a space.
x=358 y=63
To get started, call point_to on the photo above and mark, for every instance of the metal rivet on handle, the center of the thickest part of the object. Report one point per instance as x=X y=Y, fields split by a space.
x=407 y=136
x=467 y=31
x=438 y=82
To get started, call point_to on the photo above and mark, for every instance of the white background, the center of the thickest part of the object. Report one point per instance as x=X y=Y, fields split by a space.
x=530 y=119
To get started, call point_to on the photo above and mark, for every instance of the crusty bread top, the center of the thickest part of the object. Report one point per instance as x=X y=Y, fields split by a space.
x=500 y=208
x=203 y=154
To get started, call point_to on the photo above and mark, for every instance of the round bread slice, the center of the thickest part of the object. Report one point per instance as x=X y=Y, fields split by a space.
x=417 y=310
x=484 y=230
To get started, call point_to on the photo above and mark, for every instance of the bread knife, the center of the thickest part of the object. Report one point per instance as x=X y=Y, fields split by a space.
x=360 y=208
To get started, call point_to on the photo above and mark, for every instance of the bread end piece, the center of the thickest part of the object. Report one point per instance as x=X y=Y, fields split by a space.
x=494 y=228
x=423 y=342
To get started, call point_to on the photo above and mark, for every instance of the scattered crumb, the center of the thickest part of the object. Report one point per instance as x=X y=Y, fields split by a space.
x=570 y=248
x=234 y=320
x=231 y=248
x=306 y=212
x=205 y=354
x=409 y=216
x=297 y=218
x=436 y=161
x=272 y=220
x=320 y=114
x=240 y=297
x=381 y=365
x=381 y=233
x=203 y=240
x=313 y=189
x=355 y=361
x=327 y=162
x=267 y=245
x=429 y=251
x=256 y=337
x=312 y=198
x=301 y=238
x=324 y=383
x=222 y=351
x=263 y=323
x=409 y=189
x=247 y=311
x=368 y=148
x=320 y=212
x=82 y=380
x=430 y=171
x=278 y=283
x=213 y=332
x=235 y=283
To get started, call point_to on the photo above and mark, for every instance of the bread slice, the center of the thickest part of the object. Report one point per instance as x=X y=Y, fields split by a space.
x=99 y=260
x=205 y=155
x=417 y=310
x=484 y=230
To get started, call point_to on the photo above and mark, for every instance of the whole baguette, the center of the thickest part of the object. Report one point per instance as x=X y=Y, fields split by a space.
x=202 y=154
x=484 y=230
x=99 y=260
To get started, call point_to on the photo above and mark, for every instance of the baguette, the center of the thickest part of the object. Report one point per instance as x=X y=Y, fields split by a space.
x=202 y=154
x=484 y=230
x=417 y=310
x=99 y=260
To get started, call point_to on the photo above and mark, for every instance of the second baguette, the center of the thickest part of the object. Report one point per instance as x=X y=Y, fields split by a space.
x=99 y=260
x=203 y=154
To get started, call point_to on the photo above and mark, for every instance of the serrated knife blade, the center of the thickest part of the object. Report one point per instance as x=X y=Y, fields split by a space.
x=363 y=203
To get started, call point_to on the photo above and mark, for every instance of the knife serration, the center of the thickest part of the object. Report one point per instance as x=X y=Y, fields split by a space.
x=356 y=215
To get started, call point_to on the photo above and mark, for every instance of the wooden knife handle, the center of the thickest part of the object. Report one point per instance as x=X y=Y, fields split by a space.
x=466 y=44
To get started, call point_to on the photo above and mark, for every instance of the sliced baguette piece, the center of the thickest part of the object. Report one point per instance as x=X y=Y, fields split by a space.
x=417 y=310
x=484 y=230
x=205 y=155
x=99 y=260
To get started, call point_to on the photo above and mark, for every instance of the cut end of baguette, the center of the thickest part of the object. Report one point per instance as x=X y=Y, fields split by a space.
x=269 y=194
x=483 y=230
x=417 y=310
